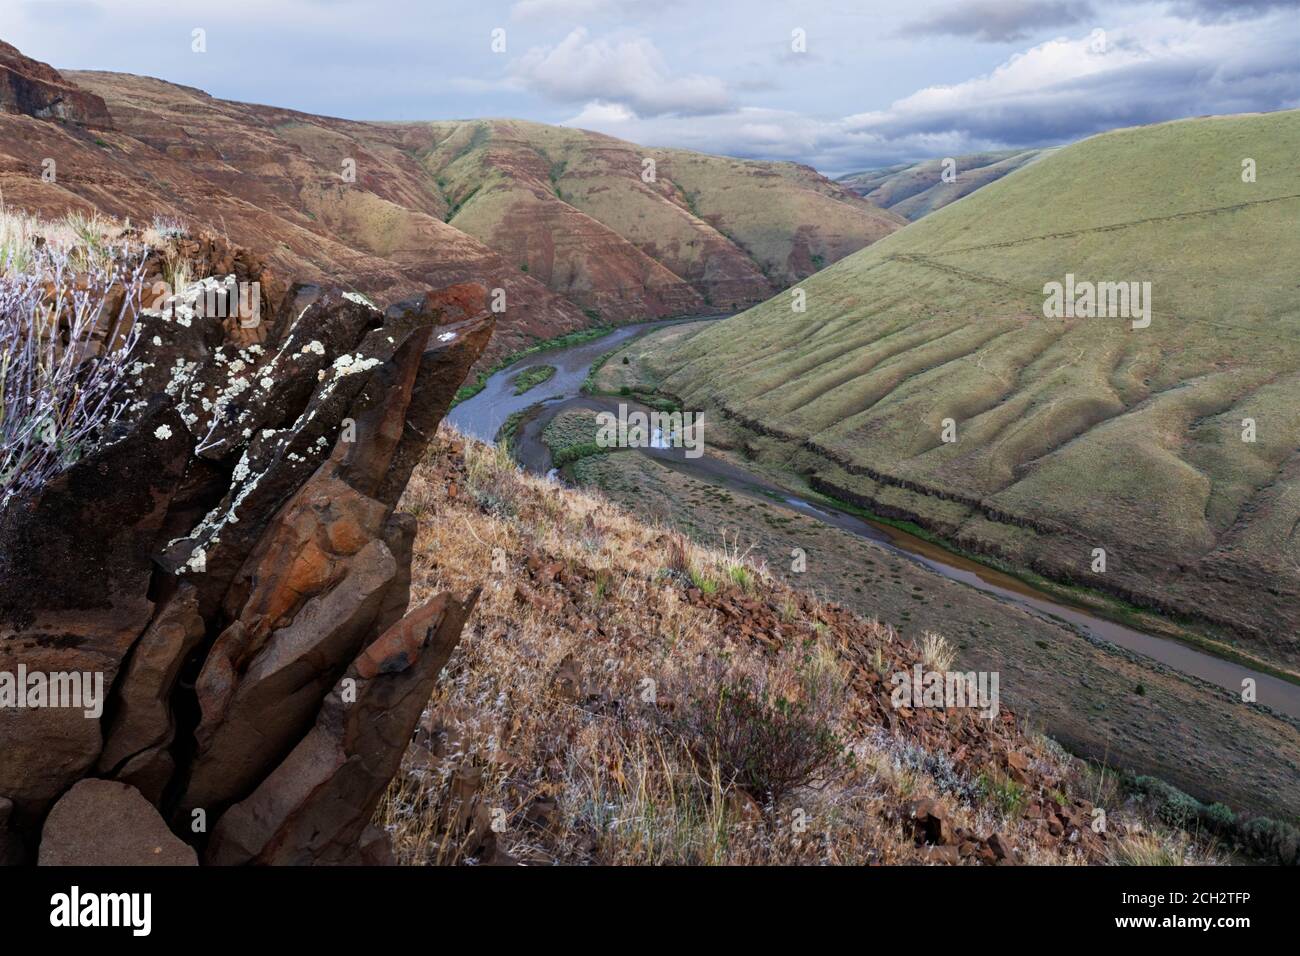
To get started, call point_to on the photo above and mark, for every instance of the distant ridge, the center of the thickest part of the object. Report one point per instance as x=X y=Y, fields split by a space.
x=914 y=190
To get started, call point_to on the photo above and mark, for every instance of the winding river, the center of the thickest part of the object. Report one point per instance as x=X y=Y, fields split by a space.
x=483 y=415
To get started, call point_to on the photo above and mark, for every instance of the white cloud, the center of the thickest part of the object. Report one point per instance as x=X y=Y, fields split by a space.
x=1058 y=91
x=598 y=113
x=630 y=72
x=561 y=9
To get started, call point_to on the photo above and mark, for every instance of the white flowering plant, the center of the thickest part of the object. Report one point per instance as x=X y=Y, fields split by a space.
x=66 y=340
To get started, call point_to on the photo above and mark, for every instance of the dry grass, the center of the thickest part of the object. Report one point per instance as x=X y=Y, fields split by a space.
x=91 y=241
x=573 y=723
x=936 y=653
x=1149 y=848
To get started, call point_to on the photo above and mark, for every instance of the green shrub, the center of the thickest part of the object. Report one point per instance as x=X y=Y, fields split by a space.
x=767 y=746
x=1007 y=795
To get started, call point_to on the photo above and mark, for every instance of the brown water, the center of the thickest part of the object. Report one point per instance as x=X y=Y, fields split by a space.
x=483 y=415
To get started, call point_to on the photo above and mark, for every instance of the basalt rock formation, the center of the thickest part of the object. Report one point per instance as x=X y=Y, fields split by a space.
x=36 y=89
x=231 y=565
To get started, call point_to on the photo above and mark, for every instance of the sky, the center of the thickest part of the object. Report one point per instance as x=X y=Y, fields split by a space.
x=841 y=85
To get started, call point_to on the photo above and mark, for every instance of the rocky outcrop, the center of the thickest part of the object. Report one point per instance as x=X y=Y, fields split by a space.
x=316 y=805
x=36 y=89
x=229 y=567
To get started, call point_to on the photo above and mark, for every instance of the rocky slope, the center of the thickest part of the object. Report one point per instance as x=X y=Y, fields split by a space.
x=578 y=721
x=914 y=190
x=559 y=219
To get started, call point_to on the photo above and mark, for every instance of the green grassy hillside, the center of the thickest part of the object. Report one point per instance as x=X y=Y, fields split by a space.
x=1077 y=433
x=914 y=190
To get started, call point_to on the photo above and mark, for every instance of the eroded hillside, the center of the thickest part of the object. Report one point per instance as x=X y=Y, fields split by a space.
x=631 y=232
x=1169 y=445
x=559 y=219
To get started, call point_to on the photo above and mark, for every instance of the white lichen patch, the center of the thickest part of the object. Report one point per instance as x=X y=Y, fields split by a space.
x=353 y=364
x=360 y=299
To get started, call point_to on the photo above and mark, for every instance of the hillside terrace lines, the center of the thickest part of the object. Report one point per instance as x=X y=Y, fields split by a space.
x=896 y=374
x=1015 y=414
x=981 y=504
x=850 y=364
x=1275 y=471
x=1053 y=532
x=1116 y=226
x=930 y=261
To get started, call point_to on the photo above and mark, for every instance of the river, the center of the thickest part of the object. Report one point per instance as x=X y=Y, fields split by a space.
x=483 y=415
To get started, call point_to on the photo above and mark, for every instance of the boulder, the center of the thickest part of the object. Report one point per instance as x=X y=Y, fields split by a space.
x=930 y=822
x=105 y=823
x=1002 y=849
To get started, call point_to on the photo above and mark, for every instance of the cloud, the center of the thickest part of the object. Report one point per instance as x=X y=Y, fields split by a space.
x=1216 y=11
x=1057 y=92
x=630 y=72
x=1068 y=88
x=542 y=10
x=998 y=21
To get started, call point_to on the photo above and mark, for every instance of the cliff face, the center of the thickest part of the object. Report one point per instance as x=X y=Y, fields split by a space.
x=31 y=88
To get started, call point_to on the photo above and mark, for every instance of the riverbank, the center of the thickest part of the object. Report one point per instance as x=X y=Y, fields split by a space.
x=1105 y=702
x=632 y=375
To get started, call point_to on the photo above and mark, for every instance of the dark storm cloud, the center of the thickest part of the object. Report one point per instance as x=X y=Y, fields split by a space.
x=1136 y=92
